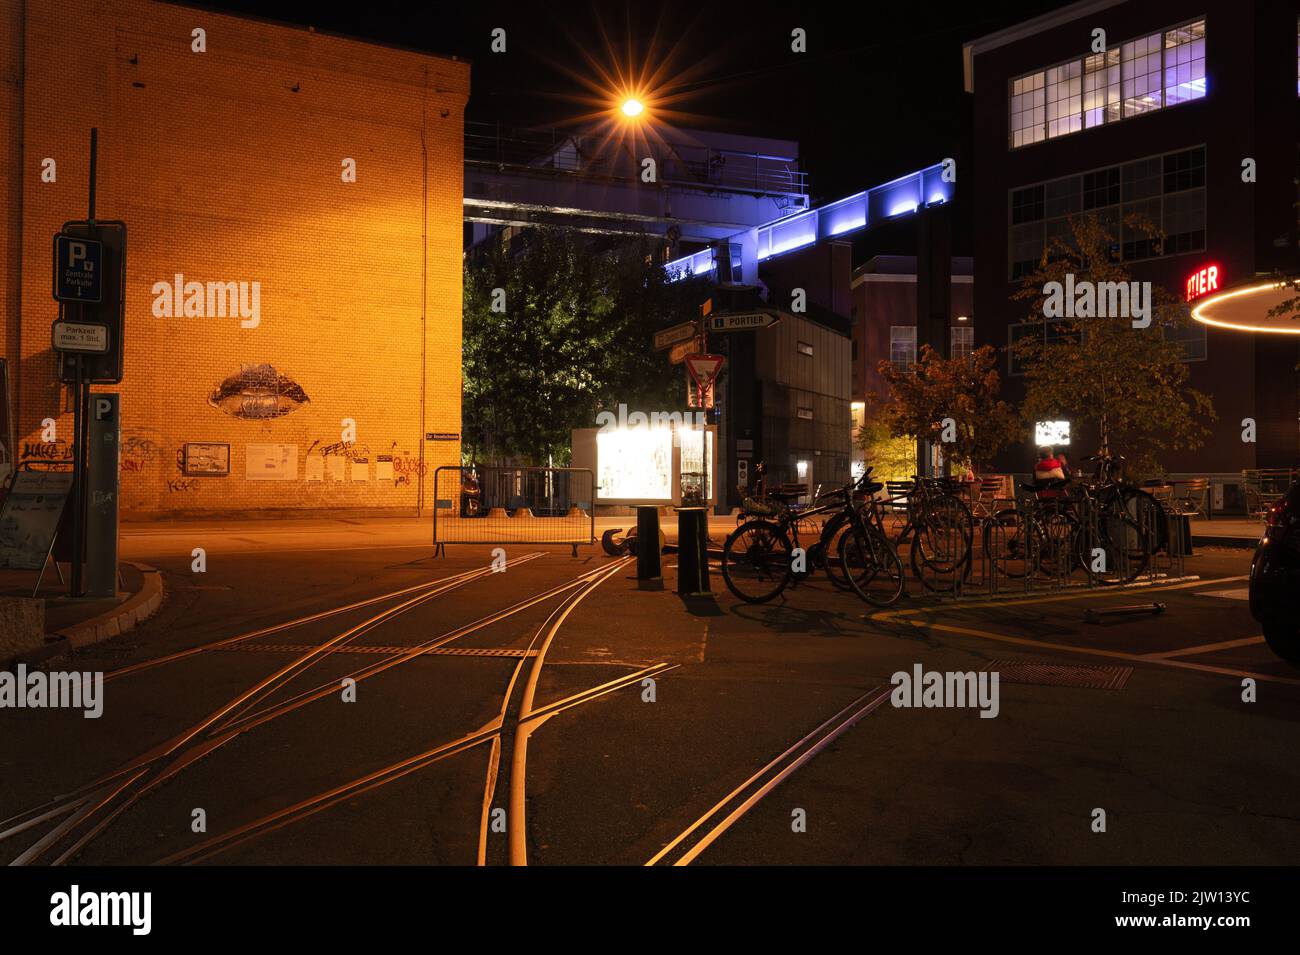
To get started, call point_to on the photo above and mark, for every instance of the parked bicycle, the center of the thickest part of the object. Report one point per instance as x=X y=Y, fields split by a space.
x=759 y=560
x=938 y=526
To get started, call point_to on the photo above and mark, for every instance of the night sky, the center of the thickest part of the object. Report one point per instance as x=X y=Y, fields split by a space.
x=878 y=94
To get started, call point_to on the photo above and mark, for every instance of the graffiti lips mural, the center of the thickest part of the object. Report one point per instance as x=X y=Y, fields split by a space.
x=257 y=392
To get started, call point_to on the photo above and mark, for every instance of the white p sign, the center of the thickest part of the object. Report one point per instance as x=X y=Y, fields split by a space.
x=103 y=409
x=77 y=253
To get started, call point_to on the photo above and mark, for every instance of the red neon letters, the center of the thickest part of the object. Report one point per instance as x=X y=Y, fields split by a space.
x=1203 y=281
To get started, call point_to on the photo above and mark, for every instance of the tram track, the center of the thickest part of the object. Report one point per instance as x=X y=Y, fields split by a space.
x=490 y=734
x=89 y=799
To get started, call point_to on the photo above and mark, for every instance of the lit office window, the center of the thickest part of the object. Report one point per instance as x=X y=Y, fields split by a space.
x=1064 y=86
x=1185 y=63
x=902 y=346
x=963 y=340
x=804 y=413
x=1028 y=112
x=1140 y=61
x=1101 y=88
x=1142 y=75
x=804 y=348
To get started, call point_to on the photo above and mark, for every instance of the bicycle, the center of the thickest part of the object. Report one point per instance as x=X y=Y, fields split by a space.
x=758 y=559
x=940 y=529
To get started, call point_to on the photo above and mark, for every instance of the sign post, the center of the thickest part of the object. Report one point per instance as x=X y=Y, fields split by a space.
x=89 y=284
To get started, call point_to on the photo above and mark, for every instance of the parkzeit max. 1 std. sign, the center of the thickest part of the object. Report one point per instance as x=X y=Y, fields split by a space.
x=79 y=337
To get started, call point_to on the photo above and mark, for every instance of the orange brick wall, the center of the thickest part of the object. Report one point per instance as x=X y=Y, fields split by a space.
x=223 y=172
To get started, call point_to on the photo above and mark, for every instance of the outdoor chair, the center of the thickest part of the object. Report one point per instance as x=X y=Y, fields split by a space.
x=1192 y=497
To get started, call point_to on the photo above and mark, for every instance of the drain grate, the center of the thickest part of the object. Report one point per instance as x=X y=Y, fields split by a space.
x=436 y=651
x=1082 y=675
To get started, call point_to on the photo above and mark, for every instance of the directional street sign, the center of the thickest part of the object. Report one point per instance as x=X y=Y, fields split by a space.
x=682 y=349
x=678 y=333
x=742 y=321
x=78 y=271
x=79 y=337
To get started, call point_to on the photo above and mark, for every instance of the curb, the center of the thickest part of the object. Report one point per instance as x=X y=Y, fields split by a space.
x=136 y=609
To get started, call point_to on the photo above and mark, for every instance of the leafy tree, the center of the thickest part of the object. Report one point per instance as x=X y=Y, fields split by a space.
x=892 y=457
x=571 y=335
x=955 y=398
x=1129 y=383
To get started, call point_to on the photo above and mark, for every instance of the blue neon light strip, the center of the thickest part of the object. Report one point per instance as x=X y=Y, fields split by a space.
x=899 y=197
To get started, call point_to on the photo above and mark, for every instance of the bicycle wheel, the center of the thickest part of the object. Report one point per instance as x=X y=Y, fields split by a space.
x=756 y=561
x=829 y=542
x=872 y=566
x=1110 y=548
x=1007 y=544
x=944 y=532
x=1127 y=536
x=1058 y=549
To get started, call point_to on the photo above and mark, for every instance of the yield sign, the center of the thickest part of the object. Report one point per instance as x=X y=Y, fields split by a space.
x=704 y=369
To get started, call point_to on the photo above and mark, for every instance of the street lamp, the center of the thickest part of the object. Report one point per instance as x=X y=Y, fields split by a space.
x=632 y=107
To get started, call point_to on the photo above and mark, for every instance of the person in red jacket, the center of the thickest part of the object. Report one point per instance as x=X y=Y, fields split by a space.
x=1050 y=466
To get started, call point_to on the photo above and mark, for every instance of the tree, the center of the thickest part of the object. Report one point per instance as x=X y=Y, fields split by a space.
x=952 y=401
x=893 y=458
x=557 y=327
x=1129 y=382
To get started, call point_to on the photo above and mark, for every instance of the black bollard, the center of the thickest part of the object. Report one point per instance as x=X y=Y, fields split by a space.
x=692 y=552
x=649 y=574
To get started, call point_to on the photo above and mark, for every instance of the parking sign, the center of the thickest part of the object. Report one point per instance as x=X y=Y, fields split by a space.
x=78 y=268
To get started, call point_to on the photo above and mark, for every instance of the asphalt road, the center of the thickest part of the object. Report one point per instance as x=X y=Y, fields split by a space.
x=766 y=734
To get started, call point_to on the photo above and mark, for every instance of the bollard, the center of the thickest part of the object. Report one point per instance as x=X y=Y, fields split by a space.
x=649 y=575
x=692 y=552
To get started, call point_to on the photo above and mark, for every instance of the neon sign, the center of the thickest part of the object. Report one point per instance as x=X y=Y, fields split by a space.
x=1203 y=282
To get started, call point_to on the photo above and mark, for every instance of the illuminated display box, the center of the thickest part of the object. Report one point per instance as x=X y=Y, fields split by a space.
x=645 y=464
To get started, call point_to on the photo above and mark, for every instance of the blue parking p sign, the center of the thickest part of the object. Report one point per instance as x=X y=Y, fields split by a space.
x=78 y=268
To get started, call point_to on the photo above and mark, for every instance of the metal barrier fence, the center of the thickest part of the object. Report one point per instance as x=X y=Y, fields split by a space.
x=507 y=505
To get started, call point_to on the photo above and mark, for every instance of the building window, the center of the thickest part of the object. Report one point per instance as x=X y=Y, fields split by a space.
x=902 y=346
x=1142 y=75
x=1184 y=222
x=1140 y=65
x=1185 y=63
x=1027 y=109
x=804 y=348
x=1101 y=188
x=804 y=413
x=962 y=341
x=1165 y=192
x=1191 y=339
x=1026 y=205
x=1026 y=249
x=1101 y=88
x=1064 y=88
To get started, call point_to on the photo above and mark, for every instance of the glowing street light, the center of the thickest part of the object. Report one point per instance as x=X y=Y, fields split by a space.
x=632 y=108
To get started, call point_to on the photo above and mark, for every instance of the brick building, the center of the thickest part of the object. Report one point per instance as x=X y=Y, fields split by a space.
x=228 y=166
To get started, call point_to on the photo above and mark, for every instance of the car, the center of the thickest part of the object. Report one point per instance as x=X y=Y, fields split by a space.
x=1275 y=577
